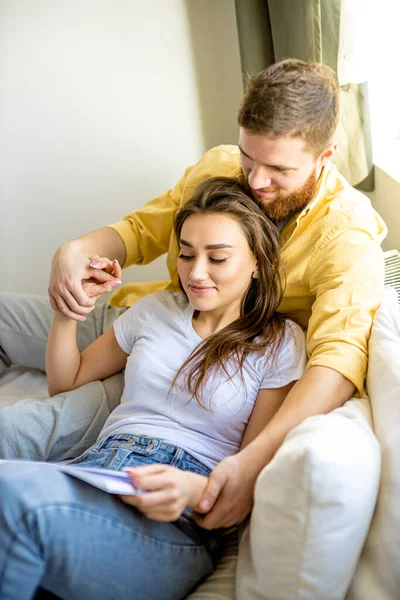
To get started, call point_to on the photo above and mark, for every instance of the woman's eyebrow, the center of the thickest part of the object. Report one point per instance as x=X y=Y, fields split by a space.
x=208 y=247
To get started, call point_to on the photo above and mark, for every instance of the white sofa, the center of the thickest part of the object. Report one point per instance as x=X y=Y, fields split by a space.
x=311 y=535
x=308 y=537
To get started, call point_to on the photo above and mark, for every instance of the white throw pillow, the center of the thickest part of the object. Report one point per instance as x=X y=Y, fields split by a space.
x=378 y=572
x=313 y=506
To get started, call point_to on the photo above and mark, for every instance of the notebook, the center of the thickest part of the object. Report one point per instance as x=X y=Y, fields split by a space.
x=113 y=482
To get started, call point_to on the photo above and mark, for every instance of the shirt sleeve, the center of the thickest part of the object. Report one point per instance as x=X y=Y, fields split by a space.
x=290 y=362
x=128 y=325
x=346 y=276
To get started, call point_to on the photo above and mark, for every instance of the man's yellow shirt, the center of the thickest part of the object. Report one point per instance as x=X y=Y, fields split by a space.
x=331 y=252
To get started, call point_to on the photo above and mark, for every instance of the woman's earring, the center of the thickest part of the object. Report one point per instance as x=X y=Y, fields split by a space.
x=255 y=275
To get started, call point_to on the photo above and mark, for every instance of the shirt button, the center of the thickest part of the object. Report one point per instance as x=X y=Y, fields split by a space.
x=130 y=442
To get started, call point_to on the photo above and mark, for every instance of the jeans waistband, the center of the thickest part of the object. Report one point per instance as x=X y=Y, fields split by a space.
x=141 y=444
x=149 y=446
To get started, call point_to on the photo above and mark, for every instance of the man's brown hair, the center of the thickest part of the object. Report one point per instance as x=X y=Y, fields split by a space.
x=293 y=98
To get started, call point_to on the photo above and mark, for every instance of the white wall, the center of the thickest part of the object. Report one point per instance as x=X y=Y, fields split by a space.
x=103 y=104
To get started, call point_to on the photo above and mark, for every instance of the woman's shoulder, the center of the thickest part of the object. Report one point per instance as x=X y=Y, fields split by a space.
x=159 y=304
x=176 y=301
x=294 y=333
x=290 y=348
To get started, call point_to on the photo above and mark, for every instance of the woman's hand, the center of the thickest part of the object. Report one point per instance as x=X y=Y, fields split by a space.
x=112 y=267
x=168 y=491
x=73 y=281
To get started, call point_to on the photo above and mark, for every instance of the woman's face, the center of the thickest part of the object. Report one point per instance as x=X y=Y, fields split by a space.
x=215 y=262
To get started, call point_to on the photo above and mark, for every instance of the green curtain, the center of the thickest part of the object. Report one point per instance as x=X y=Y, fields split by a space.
x=271 y=30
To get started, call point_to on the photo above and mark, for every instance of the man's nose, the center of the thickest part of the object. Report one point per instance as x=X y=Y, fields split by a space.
x=258 y=179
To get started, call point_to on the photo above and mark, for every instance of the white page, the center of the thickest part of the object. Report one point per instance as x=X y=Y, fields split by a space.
x=113 y=482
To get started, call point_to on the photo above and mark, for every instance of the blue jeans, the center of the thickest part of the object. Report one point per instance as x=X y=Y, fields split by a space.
x=63 y=535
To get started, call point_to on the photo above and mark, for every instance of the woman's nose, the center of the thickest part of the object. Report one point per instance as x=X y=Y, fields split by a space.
x=199 y=271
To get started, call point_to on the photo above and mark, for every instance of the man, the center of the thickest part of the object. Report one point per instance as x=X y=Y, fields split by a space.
x=330 y=239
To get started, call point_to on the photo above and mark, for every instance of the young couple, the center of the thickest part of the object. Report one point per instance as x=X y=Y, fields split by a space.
x=330 y=245
x=206 y=369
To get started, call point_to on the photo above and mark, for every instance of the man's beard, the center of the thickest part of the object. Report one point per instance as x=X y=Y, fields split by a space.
x=285 y=206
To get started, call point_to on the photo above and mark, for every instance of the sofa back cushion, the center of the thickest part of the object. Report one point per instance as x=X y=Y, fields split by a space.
x=378 y=572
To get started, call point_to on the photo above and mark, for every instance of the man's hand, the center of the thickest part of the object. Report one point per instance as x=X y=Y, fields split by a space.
x=75 y=285
x=228 y=498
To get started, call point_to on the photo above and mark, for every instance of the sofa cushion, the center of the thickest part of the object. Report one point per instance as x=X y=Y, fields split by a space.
x=313 y=506
x=378 y=572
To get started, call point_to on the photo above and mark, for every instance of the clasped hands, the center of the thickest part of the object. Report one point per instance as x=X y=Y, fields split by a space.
x=222 y=500
x=76 y=282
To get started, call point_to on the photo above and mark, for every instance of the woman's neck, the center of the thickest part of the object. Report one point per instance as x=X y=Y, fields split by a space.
x=206 y=323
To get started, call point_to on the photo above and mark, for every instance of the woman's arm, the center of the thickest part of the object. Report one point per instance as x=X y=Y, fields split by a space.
x=67 y=368
x=267 y=405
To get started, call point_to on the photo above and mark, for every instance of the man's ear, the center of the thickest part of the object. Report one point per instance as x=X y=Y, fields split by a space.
x=327 y=154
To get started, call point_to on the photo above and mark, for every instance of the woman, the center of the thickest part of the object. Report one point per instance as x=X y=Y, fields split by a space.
x=206 y=369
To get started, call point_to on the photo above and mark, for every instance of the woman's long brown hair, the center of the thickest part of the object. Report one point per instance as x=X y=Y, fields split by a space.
x=259 y=328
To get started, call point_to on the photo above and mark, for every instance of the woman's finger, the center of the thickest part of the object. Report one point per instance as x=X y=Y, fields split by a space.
x=103 y=263
x=94 y=290
x=144 y=502
x=100 y=275
x=153 y=482
x=147 y=469
x=117 y=271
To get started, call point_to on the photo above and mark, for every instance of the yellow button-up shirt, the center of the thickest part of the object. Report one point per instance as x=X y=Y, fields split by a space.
x=331 y=252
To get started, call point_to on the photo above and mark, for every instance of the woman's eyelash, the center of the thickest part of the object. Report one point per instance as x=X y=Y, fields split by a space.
x=216 y=261
x=185 y=257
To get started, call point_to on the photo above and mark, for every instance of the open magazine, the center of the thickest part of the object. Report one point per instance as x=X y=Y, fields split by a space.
x=113 y=482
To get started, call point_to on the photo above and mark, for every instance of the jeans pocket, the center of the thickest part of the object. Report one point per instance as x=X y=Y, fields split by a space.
x=88 y=454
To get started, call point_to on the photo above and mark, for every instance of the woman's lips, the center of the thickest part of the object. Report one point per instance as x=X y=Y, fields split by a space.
x=200 y=289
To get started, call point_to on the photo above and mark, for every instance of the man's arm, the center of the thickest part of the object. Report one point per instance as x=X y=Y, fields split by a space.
x=345 y=275
x=319 y=391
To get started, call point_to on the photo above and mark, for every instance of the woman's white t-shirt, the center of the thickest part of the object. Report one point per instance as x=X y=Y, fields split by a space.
x=158 y=335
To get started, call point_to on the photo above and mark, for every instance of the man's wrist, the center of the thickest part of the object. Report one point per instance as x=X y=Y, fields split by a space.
x=258 y=453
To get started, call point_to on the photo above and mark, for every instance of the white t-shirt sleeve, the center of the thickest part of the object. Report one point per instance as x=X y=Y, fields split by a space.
x=127 y=326
x=291 y=360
